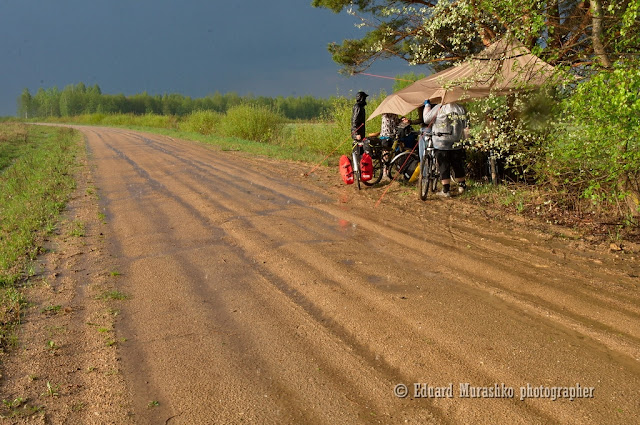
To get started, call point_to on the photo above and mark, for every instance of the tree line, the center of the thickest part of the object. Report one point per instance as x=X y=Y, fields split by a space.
x=80 y=99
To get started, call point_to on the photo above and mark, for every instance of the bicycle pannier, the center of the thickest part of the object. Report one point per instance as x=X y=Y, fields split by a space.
x=416 y=172
x=409 y=169
x=366 y=167
x=346 y=171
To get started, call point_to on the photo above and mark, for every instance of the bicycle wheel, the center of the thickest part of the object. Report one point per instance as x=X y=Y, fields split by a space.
x=378 y=169
x=423 y=183
x=434 y=175
x=392 y=168
x=385 y=163
x=400 y=163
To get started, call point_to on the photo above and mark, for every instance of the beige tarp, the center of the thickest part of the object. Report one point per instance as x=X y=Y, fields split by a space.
x=501 y=68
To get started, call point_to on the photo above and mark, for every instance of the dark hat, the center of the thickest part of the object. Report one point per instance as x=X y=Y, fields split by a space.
x=361 y=97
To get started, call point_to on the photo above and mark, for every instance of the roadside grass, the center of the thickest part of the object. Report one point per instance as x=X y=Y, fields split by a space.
x=52 y=309
x=18 y=408
x=277 y=150
x=12 y=304
x=77 y=229
x=247 y=129
x=53 y=390
x=112 y=295
x=36 y=179
x=14 y=142
x=542 y=205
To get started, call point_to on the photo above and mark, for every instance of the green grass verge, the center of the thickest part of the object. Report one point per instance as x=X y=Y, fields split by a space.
x=14 y=142
x=12 y=303
x=297 y=141
x=272 y=150
x=36 y=179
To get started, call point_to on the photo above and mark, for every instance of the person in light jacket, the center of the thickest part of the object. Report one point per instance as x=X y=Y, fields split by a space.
x=449 y=124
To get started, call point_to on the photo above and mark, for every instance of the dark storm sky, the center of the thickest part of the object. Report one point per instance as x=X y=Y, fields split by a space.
x=191 y=47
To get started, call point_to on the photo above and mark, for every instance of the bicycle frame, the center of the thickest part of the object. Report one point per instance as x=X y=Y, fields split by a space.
x=378 y=159
x=356 y=154
x=429 y=170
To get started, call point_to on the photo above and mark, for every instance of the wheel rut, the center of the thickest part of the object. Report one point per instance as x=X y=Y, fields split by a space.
x=258 y=295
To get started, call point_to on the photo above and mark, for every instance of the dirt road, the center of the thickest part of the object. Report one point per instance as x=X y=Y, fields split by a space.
x=256 y=295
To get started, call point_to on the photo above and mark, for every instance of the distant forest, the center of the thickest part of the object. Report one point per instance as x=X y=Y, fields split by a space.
x=79 y=99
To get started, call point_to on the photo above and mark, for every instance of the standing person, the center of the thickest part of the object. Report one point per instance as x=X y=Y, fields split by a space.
x=358 y=116
x=357 y=121
x=448 y=128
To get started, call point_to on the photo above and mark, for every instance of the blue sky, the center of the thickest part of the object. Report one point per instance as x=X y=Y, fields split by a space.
x=191 y=47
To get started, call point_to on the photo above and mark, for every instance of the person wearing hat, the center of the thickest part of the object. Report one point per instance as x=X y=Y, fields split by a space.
x=358 y=116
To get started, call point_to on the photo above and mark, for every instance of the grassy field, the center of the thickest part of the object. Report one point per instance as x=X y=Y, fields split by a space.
x=36 y=179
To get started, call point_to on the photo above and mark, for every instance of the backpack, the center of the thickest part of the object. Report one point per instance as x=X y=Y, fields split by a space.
x=452 y=124
x=407 y=135
x=403 y=131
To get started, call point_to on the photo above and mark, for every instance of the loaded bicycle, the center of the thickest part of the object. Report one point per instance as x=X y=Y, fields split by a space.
x=368 y=174
x=385 y=156
x=389 y=157
x=429 y=174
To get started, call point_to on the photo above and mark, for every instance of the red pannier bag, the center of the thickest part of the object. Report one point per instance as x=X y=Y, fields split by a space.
x=346 y=170
x=366 y=167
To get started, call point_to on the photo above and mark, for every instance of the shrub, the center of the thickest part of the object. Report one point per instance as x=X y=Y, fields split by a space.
x=119 y=119
x=597 y=151
x=320 y=137
x=155 y=120
x=203 y=122
x=91 y=119
x=257 y=123
x=513 y=128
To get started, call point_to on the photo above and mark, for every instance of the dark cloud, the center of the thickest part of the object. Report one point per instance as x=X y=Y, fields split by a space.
x=190 y=47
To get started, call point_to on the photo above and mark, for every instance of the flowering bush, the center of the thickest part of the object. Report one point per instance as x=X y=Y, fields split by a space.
x=597 y=151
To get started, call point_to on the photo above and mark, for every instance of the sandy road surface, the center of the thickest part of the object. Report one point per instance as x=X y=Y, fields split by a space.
x=260 y=296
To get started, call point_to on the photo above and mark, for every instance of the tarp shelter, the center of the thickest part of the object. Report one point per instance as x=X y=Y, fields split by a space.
x=502 y=68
